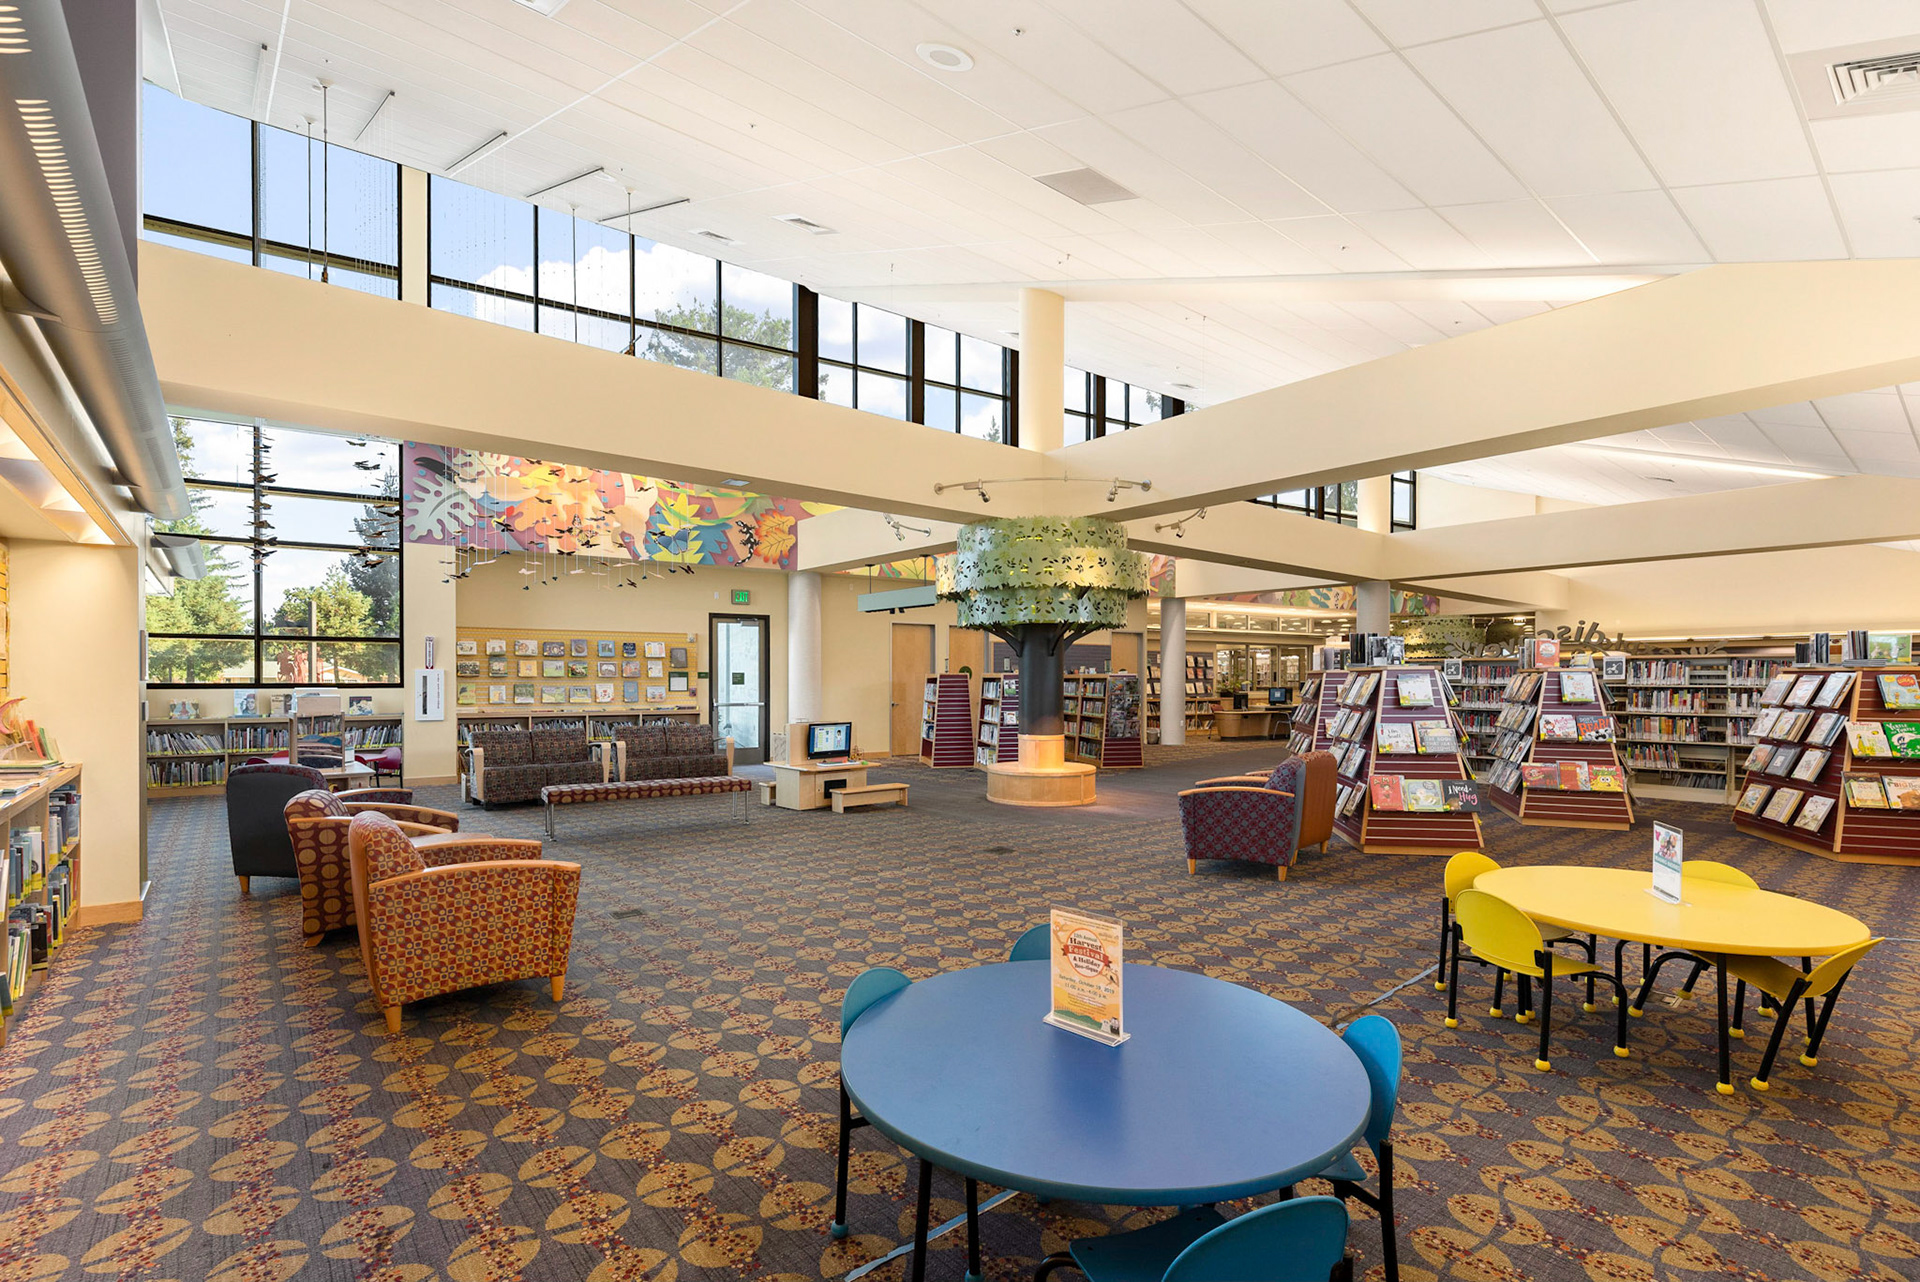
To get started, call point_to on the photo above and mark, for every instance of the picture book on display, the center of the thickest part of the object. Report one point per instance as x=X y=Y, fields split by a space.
x=1461 y=794
x=1386 y=792
x=1536 y=774
x=1900 y=691
x=1415 y=690
x=1577 y=686
x=1422 y=794
x=1827 y=729
x=1757 y=757
x=1559 y=725
x=1903 y=791
x=1753 y=798
x=1868 y=739
x=1396 y=737
x=1813 y=814
x=1596 y=729
x=1606 y=779
x=1435 y=737
x=1784 y=803
x=1803 y=690
x=1777 y=689
x=1811 y=763
x=1764 y=723
x=1903 y=737
x=1864 y=792
x=1833 y=689
x=1781 y=762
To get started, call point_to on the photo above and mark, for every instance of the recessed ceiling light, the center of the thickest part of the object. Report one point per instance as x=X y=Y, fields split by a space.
x=711 y=234
x=805 y=224
x=943 y=57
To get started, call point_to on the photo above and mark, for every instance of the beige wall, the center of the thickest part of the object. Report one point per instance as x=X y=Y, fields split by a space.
x=75 y=614
x=430 y=748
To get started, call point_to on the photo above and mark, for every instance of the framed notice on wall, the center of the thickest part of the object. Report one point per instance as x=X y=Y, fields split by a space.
x=1085 y=956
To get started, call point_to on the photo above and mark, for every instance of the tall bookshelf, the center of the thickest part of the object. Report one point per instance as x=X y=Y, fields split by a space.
x=40 y=900
x=1479 y=687
x=946 y=721
x=998 y=739
x=1377 y=703
x=1198 y=685
x=1849 y=833
x=1103 y=715
x=1676 y=730
x=1543 y=699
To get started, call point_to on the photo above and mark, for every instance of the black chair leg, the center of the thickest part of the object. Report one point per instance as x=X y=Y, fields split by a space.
x=1525 y=984
x=1453 y=988
x=1739 y=1026
x=1806 y=968
x=1619 y=972
x=1773 y=1043
x=1499 y=985
x=1546 y=1010
x=1725 y=1084
x=1446 y=936
x=922 y=1208
x=1058 y=1260
x=839 y=1226
x=1620 y=1017
x=1389 y=1229
x=1812 y=1054
x=973 y=1230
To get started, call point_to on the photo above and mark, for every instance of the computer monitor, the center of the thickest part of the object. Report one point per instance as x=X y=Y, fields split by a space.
x=829 y=739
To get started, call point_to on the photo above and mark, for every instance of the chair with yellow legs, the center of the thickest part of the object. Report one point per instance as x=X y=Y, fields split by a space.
x=1787 y=986
x=1459 y=875
x=1507 y=939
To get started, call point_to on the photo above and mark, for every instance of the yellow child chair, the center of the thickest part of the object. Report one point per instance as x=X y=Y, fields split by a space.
x=1696 y=870
x=1459 y=875
x=1504 y=937
x=1787 y=986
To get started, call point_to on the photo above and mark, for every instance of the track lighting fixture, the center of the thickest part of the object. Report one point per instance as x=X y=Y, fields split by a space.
x=900 y=530
x=1179 y=527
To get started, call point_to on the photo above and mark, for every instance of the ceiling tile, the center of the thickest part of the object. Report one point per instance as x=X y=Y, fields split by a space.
x=1788 y=218
x=1408 y=22
x=1631 y=227
x=1165 y=42
x=1340 y=243
x=1172 y=131
x=1384 y=109
x=1048 y=48
x=1859 y=412
x=1889 y=140
x=1821 y=24
x=1698 y=84
x=1282 y=131
x=1425 y=240
x=1517 y=233
x=1285 y=36
x=1880 y=211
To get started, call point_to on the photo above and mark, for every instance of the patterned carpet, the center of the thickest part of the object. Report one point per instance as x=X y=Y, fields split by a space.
x=200 y=1097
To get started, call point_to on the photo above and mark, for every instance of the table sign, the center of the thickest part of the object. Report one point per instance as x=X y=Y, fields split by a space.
x=1085 y=953
x=1667 y=842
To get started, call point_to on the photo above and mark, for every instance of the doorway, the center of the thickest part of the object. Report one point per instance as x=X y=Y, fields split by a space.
x=737 y=693
x=912 y=665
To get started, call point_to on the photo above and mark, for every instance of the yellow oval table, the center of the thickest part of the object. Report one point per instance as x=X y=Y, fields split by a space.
x=1714 y=919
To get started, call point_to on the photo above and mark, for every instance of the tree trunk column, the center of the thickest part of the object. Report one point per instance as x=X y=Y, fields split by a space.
x=1042 y=668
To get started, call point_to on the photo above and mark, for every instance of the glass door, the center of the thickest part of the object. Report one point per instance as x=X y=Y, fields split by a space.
x=737 y=691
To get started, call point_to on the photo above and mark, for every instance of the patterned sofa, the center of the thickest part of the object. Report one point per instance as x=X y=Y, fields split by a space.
x=459 y=914
x=509 y=766
x=668 y=752
x=317 y=823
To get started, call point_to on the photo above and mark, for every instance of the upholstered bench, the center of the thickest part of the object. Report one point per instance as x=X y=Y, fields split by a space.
x=575 y=794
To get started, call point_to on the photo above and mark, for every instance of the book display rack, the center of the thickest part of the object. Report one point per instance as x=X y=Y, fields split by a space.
x=1481 y=702
x=1835 y=768
x=1555 y=762
x=519 y=673
x=598 y=725
x=1403 y=782
x=1103 y=720
x=1199 y=687
x=999 y=735
x=946 y=721
x=192 y=757
x=1683 y=719
x=1306 y=716
x=40 y=882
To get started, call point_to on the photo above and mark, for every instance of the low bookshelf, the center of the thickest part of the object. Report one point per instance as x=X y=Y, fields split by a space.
x=191 y=757
x=1102 y=715
x=1554 y=761
x=998 y=738
x=946 y=721
x=1820 y=777
x=1381 y=714
x=42 y=882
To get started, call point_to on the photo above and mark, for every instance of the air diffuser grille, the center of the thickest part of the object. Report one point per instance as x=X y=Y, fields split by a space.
x=1894 y=76
x=1088 y=186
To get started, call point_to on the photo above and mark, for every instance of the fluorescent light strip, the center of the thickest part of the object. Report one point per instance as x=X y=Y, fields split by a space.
x=1711 y=464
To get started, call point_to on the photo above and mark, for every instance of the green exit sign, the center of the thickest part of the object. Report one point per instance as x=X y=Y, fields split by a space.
x=740 y=596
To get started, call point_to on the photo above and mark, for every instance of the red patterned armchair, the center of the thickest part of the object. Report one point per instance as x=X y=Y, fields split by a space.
x=1238 y=819
x=457 y=913
x=317 y=826
x=1317 y=796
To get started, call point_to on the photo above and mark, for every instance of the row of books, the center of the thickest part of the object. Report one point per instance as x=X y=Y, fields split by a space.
x=1884 y=738
x=1399 y=792
x=1352 y=723
x=1416 y=736
x=1565 y=726
x=182 y=742
x=1660 y=756
x=1784 y=805
x=1882 y=792
x=1572 y=776
x=1358 y=692
x=1660 y=672
x=1823 y=729
x=1809 y=690
x=1512 y=745
x=1518 y=715
x=256 y=738
x=1753 y=672
x=189 y=772
x=1667 y=729
x=384 y=735
x=1668 y=701
x=1788 y=760
x=1521 y=686
x=1353 y=759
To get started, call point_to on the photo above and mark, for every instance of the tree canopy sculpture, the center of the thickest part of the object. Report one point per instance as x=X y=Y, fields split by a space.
x=1040 y=583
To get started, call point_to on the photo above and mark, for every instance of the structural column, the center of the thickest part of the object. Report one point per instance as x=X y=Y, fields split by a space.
x=1373 y=601
x=1043 y=352
x=1173 y=670
x=414 y=284
x=803 y=647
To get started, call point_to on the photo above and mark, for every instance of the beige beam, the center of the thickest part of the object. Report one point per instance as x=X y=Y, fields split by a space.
x=851 y=539
x=1716 y=341
x=1264 y=538
x=1515 y=285
x=230 y=337
x=1537 y=591
x=1836 y=512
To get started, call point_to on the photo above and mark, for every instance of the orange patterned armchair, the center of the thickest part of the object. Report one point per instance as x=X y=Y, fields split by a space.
x=436 y=917
x=317 y=826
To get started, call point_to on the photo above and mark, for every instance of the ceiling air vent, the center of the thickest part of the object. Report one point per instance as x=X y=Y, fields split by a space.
x=1088 y=186
x=805 y=224
x=710 y=234
x=546 y=8
x=1858 y=80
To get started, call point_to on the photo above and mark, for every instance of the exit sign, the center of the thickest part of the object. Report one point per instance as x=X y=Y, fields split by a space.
x=740 y=596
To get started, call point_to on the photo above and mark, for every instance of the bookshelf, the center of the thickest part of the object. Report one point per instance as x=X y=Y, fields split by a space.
x=191 y=757
x=1479 y=687
x=1534 y=696
x=1677 y=724
x=39 y=901
x=1102 y=714
x=1199 y=686
x=998 y=738
x=1368 y=701
x=1305 y=717
x=1849 y=833
x=946 y=721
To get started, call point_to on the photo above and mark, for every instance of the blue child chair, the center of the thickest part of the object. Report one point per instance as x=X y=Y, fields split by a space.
x=868 y=987
x=1377 y=1042
x=1303 y=1239
x=1032 y=945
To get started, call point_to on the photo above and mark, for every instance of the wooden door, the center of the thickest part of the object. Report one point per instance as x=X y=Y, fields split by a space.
x=912 y=665
x=966 y=648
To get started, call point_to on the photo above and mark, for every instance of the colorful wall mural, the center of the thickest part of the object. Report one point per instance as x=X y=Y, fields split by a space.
x=469 y=498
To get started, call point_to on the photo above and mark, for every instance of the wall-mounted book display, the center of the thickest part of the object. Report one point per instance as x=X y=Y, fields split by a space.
x=998 y=738
x=1403 y=787
x=1835 y=767
x=521 y=672
x=946 y=721
x=1556 y=761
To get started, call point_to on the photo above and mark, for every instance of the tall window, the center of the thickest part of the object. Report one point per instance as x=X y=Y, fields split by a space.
x=222 y=185
x=1101 y=406
x=302 y=539
x=1341 y=502
x=966 y=385
x=864 y=358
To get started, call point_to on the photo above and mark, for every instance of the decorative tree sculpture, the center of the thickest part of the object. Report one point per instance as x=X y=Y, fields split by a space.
x=1040 y=583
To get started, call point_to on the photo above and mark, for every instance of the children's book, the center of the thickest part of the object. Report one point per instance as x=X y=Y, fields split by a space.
x=1387 y=792
x=1864 y=792
x=1803 y=690
x=1784 y=803
x=1793 y=724
x=1813 y=813
x=1903 y=791
x=1461 y=794
x=1396 y=737
x=1777 y=689
x=1868 y=739
x=1753 y=798
x=1811 y=763
x=1436 y=736
x=1559 y=725
x=1415 y=690
x=1540 y=775
x=1900 y=691
x=1833 y=689
x=1781 y=762
x=1757 y=757
x=1764 y=723
x=1903 y=737
x=1605 y=779
x=1827 y=729
x=1576 y=686
x=1423 y=794
x=1573 y=776
x=1596 y=729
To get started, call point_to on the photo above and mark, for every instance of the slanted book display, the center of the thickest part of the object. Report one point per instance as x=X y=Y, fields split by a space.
x=1556 y=758
x=998 y=739
x=1102 y=718
x=946 y=721
x=1404 y=787
x=1306 y=716
x=1835 y=770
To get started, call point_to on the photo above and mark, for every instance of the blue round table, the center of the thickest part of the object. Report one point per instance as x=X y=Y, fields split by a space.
x=1220 y=1092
